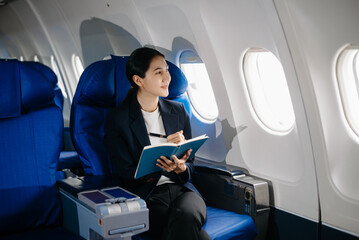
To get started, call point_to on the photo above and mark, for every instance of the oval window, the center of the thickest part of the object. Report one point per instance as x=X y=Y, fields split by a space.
x=56 y=70
x=36 y=58
x=348 y=81
x=199 y=90
x=268 y=90
x=77 y=66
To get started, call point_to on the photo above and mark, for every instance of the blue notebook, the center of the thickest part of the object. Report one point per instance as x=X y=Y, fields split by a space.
x=151 y=153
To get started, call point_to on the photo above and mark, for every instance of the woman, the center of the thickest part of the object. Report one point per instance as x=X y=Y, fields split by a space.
x=176 y=210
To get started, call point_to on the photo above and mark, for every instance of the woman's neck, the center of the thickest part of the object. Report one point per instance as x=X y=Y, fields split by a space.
x=148 y=103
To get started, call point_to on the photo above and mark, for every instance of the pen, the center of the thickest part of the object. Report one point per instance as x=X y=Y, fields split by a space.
x=157 y=135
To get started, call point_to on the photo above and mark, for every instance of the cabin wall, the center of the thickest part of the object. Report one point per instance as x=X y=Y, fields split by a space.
x=286 y=160
x=317 y=32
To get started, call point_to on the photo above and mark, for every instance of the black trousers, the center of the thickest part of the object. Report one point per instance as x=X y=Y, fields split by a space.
x=176 y=213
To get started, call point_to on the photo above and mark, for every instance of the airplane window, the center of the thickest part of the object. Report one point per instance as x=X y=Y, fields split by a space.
x=268 y=90
x=77 y=66
x=199 y=90
x=348 y=81
x=36 y=58
x=60 y=83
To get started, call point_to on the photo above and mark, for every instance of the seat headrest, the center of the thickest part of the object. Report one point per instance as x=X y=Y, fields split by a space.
x=179 y=83
x=24 y=86
x=105 y=83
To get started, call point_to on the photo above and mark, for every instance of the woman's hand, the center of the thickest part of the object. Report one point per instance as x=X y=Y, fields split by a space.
x=177 y=137
x=177 y=165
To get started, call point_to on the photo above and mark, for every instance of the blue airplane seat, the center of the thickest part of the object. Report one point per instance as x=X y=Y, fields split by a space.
x=178 y=87
x=68 y=159
x=30 y=143
x=96 y=93
x=104 y=85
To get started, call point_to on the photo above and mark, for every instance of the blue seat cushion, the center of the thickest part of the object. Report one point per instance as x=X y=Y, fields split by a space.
x=223 y=225
x=69 y=159
x=226 y=225
x=57 y=233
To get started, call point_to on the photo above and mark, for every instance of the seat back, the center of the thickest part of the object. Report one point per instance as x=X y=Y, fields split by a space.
x=103 y=85
x=31 y=128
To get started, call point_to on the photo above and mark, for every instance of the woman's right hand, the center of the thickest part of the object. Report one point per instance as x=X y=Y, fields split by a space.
x=176 y=137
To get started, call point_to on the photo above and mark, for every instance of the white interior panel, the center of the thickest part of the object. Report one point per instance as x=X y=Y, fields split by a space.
x=317 y=31
x=286 y=160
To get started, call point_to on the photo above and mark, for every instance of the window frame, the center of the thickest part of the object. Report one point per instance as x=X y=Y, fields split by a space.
x=60 y=81
x=256 y=105
x=342 y=77
x=36 y=58
x=193 y=58
x=76 y=65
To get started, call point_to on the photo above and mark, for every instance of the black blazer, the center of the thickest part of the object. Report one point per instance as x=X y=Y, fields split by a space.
x=126 y=135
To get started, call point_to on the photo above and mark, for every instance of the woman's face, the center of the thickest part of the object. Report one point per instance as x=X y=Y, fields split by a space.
x=157 y=78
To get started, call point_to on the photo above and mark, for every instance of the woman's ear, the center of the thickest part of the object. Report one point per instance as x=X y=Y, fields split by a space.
x=137 y=80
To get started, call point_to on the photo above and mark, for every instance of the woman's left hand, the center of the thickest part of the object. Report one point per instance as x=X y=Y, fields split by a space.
x=177 y=165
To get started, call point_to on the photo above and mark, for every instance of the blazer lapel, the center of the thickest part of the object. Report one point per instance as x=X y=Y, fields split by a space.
x=138 y=126
x=169 y=118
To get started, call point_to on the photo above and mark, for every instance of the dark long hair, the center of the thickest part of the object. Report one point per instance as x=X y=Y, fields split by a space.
x=139 y=62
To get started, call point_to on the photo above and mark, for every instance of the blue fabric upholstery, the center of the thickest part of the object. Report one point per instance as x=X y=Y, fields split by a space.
x=30 y=145
x=179 y=81
x=100 y=88
x=69 y=160
x=35 y=92
x=223 y=225
x=59 y=98
x=10 y=94
x=226 y=225
x=178 y=87
x=55 y=233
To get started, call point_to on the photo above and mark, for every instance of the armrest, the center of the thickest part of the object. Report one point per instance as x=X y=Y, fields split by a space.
x=69 y=160
x=68 y=145
x=234 y=189
x=218 y=169
x=94 y=207
x=230 y=188
x=76 y=185
x=218 y=187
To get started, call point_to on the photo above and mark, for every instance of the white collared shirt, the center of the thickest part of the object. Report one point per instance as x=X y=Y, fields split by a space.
x=154 y=124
